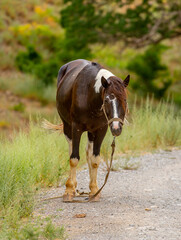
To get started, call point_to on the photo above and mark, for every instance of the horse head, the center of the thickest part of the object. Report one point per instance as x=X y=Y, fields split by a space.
x=114 y=102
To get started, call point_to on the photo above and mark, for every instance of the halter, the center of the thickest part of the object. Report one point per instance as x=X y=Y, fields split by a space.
x=112 y=119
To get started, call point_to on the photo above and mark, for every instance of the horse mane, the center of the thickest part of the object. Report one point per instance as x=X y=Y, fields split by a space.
x=117 y=87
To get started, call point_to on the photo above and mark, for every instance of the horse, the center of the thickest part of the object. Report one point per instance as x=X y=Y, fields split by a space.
x=89 y=98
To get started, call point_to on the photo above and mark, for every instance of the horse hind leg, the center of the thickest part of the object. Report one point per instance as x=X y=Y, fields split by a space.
x=89 y=151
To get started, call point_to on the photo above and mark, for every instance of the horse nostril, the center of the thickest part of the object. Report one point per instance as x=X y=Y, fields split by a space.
x=116 y=131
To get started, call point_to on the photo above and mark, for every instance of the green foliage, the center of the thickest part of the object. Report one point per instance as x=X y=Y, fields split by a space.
x=153 y=76
x=137 y=24
x=27 y=61
x=31 y=62
x=79 y=20
x=47 y=71
x=43 y=51
x=20 y=107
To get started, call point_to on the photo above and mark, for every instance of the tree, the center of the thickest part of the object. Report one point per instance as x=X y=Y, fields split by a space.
x=136 y=23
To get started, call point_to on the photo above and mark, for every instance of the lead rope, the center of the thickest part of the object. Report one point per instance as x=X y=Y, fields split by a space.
x=100 y=189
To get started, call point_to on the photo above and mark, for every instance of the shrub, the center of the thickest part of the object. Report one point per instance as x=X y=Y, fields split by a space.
x=47 y=71
x=31 y=61
x=27 y=60
x=153 y=76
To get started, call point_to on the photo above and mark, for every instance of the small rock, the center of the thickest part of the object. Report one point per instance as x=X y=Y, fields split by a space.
x=80 y=215
x=147 y=209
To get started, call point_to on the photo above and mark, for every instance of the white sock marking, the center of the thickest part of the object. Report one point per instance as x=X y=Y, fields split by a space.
x=102 y=73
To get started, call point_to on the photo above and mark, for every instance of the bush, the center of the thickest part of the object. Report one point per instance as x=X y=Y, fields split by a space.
x=153 y=76
x=27 y=60
x=31 y=61
x=47 y=71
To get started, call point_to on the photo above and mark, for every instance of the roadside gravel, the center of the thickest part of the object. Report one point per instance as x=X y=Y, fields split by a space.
x=142 y=204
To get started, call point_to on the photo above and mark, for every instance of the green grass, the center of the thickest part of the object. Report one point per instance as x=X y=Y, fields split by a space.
x=32 y=160
x=42 y=229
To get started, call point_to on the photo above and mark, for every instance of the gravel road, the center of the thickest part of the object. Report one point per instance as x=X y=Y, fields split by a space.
x=142 y=204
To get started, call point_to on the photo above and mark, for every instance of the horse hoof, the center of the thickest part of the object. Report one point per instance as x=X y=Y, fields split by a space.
x=95 y=199
x=68 y=197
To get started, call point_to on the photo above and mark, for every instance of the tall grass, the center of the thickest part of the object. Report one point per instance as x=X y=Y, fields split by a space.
x=31 y=160
x=37 y=159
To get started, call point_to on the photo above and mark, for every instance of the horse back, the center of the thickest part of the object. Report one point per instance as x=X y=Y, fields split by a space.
x=72 y=67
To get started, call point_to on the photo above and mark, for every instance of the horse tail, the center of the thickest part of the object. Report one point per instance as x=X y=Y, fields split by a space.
x=50 y=126
x=61 y=73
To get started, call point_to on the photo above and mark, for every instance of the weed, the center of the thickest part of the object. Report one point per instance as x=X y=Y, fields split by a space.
x=20 y=107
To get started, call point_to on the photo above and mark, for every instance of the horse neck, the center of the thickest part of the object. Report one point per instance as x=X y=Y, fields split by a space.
x=96 y=100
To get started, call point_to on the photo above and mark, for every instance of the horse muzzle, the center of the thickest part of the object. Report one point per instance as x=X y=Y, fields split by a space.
x=116 y=128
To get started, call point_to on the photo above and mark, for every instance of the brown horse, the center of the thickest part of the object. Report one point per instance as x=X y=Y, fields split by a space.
x=89 y=98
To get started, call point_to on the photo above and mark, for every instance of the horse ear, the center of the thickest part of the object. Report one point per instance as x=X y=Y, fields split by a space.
x=126 y=81
x=105 y=82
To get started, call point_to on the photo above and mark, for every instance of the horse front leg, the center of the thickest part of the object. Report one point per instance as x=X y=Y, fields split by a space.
x=71 y=182
x=95 y=161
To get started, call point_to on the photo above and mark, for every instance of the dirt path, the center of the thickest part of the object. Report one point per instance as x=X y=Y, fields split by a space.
x=142 y=204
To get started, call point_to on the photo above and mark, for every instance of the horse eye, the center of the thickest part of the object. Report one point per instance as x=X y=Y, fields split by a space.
x=112 y=96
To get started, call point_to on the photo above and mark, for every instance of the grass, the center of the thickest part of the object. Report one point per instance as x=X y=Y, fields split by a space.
x=26 y=164
x=40 y=229
x=27 y=86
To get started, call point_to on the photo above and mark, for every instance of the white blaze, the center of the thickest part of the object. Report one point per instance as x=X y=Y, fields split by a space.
x=102 y=73
x=115 y=114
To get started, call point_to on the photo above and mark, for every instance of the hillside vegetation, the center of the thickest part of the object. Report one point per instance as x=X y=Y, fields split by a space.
x=34 y=42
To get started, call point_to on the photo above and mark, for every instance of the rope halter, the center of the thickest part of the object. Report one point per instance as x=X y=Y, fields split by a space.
x=112 y=119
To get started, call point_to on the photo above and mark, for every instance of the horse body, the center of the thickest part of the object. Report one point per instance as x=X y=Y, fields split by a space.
x=83 y=87
x=76 y=98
